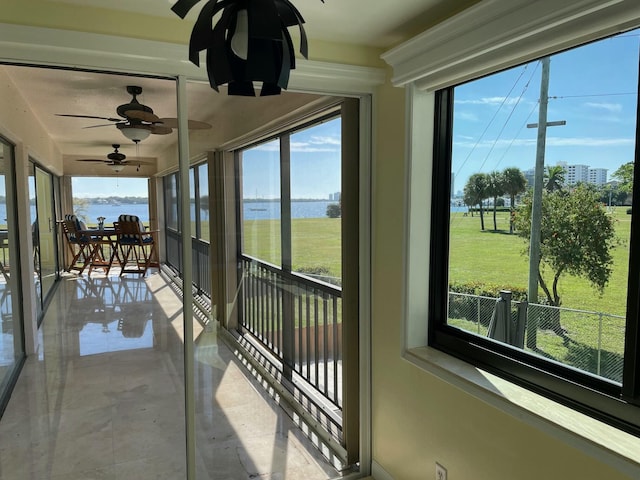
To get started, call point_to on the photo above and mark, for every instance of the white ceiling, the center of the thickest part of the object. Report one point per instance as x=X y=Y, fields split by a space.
x=51 y=91
x=56 y=91
x=380 y=23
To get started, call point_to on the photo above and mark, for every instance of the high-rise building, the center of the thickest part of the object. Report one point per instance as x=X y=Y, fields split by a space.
x=598 y=176
x=576 y=174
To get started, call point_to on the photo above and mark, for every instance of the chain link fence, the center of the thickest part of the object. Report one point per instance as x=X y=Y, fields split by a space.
x=592 y=342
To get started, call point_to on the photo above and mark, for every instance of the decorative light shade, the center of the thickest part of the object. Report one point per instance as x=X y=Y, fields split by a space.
x=136 y=133
x=117 y=167
x=249 y=43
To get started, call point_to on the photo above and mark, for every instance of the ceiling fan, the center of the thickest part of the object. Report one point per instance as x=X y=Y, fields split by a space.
x=116 y=160
x=138 y=121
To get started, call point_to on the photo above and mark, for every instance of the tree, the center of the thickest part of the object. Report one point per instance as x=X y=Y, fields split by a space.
x=624 y=175
x=495 y=189
x=80 y=207
x=576 y=238
x=475 y=191
x=554 y=178
x=514 y=184
x=334 y=210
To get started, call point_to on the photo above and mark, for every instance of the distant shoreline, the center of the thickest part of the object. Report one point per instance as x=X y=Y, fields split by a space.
x=277 y=200
x=145 y=200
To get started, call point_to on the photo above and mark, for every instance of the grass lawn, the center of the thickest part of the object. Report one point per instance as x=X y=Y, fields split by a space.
x=593 y=343
x=498 y=258
x=315 y=242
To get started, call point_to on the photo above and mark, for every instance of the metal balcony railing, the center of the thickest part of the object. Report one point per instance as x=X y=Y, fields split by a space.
x=299 y=320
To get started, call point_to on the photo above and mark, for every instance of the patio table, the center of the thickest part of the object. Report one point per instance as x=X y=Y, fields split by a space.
x=104 y=249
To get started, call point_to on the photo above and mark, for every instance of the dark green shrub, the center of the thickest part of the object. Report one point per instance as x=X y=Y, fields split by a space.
x=333 y=210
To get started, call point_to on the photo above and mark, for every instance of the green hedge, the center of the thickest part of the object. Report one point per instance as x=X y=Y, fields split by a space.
x=488 y=290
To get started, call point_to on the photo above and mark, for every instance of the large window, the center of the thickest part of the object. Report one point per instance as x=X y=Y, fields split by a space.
x=316 y=230
x=534 y=261
x=95 y=197
x=291 y=196
x=260 y=202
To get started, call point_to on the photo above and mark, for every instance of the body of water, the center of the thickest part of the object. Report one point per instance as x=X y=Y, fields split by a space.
x=251 y=211
x=111 y=212
x=271 y=210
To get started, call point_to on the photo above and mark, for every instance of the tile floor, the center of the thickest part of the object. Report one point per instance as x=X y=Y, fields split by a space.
x=104 y=399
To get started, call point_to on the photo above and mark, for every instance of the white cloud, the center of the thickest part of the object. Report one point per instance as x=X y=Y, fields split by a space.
x=590 y=142
x=489 y=101
x=268 y=147
x=314 y=145
x=471 y=117
x=551 y=142
x=610 y=107
x=316 y=140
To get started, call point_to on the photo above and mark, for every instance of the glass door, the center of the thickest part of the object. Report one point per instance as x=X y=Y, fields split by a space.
x=45 y=258
x=11 y=327
x=33 y=221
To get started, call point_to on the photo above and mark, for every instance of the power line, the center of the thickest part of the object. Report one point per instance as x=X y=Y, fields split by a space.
x=593 y=95
x=495 y=142
x=504 y=100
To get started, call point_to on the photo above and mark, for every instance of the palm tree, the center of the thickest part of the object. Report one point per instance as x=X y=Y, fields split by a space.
x=475 y=191
x=495 y=189
x=514 y=184
x=554 y=176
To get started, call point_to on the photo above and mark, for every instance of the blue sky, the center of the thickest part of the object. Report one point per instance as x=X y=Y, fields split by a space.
x=315 y=164
x=88 y=187
x=593 y=88
x=315 y=169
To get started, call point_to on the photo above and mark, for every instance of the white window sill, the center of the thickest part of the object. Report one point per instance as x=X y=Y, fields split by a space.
x=610 y=445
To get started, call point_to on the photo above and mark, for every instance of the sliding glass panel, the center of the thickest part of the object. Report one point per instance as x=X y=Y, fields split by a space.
x=193 y=210
x=43 y=231
x=261 y=202
x=11 y=328
x=316 y=235
x=171 y=201
x=203 y=200
x=33 y=219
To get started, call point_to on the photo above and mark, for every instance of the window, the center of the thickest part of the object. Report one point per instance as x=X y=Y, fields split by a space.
x=316 y=237
x=534 y=258
x=170 y=183
x=95 y=197
x=291 y=201
x=203 y=201
x=260 y=202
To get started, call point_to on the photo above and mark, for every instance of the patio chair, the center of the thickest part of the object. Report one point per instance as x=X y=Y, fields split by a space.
x=80 y=245
x=136 y=245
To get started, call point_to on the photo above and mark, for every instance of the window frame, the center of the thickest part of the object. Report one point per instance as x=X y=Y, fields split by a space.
x=283 y=138
x=586 y=393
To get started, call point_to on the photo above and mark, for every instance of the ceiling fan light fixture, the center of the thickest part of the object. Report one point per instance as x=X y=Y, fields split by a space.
x=117 y=167
x=135 y=133
x=249 y=42
x=240 y=39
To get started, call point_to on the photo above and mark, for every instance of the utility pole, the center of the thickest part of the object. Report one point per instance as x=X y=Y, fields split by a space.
x=536 y=207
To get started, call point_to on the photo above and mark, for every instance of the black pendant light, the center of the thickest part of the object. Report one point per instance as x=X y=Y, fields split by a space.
x=249 y=43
